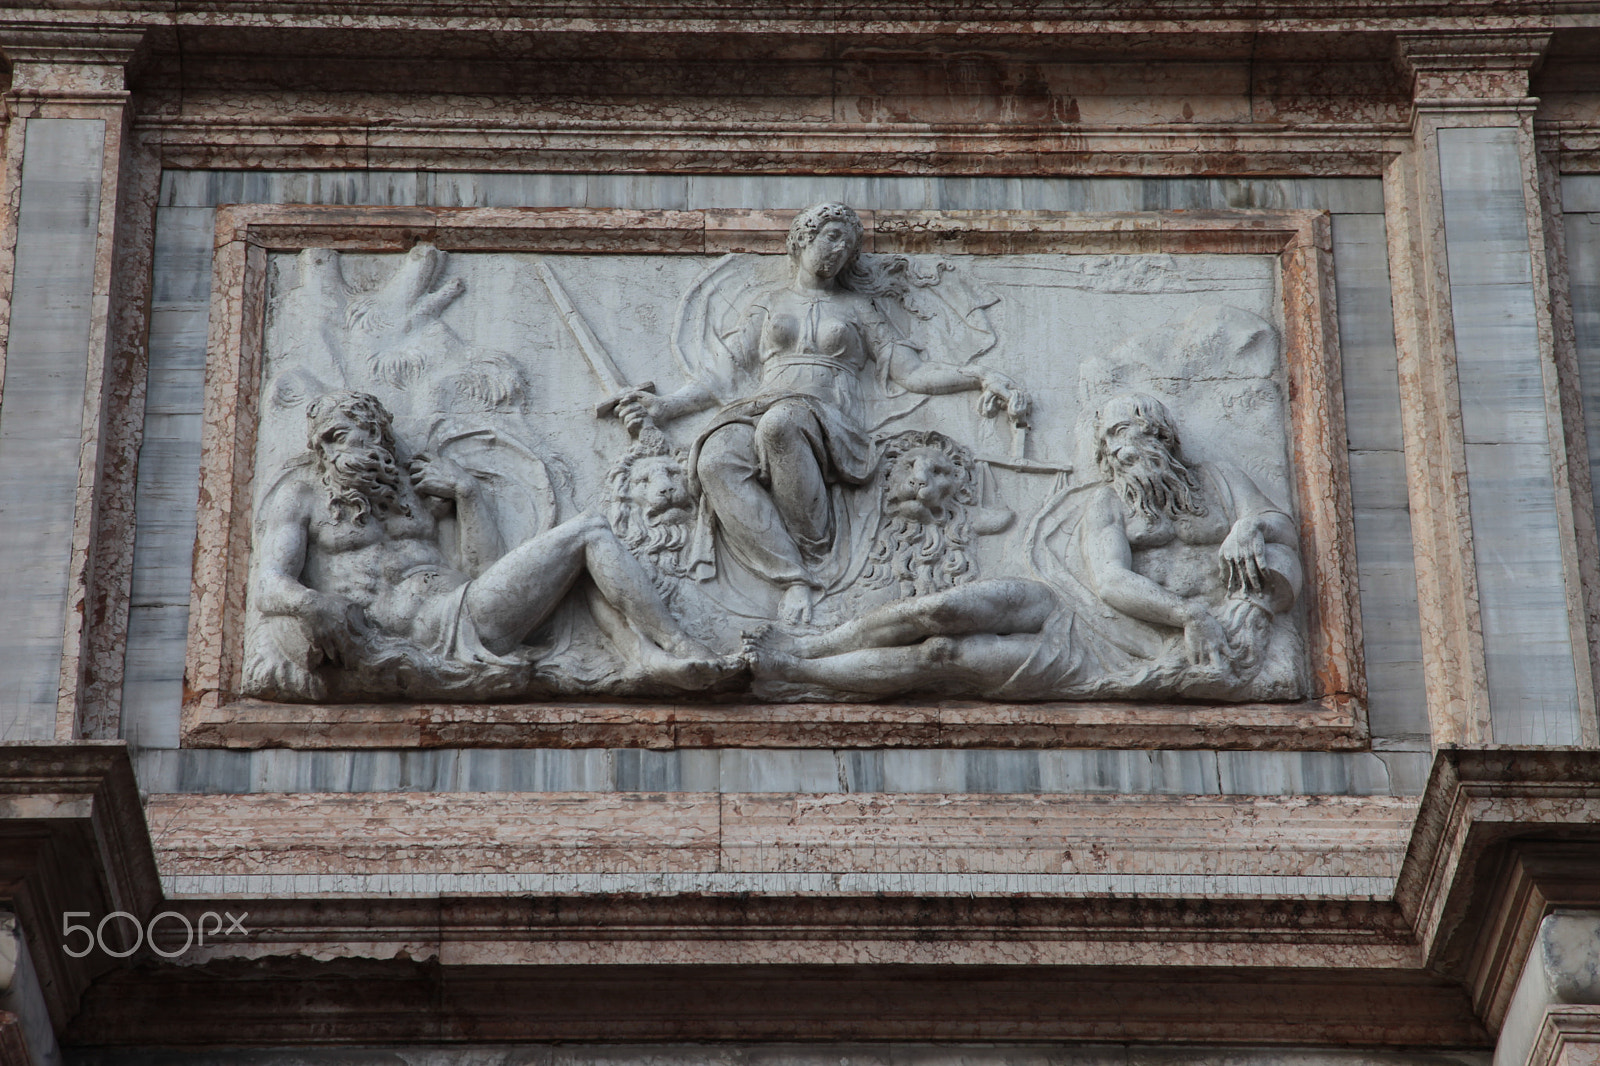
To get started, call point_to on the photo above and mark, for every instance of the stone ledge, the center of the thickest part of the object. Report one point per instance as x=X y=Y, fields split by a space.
x=1257 y=965
x=1503 y=837
x=248 y=724
x=595 y=835
x=72 y=838
x=256 y=1002
x=1554 y=1016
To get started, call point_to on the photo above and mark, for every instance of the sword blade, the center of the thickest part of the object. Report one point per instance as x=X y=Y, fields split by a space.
x=598 y=358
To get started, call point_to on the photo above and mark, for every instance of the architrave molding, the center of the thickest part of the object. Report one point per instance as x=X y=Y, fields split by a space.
x=1502 y=836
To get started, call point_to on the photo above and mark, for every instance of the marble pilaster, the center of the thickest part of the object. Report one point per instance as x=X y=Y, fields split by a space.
x=1498 y=564
x=64 y=150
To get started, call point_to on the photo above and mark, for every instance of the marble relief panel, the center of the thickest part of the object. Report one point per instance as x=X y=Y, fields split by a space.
x=829 y=462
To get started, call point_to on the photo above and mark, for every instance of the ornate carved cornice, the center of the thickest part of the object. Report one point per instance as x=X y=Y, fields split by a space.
x=68 y=63
x=1453 y=69
x=1502 y=838
x=1554 y=1018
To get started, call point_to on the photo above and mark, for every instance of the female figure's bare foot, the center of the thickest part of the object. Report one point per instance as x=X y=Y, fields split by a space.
x=798 y=600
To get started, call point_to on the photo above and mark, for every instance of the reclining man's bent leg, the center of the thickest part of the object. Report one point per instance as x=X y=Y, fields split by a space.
x=519 y=591
x=1001 y=605
x=982 y=661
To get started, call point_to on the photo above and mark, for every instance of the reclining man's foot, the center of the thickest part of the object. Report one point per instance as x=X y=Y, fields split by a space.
x=775 y=638
x=772 y=654
x=697 y=675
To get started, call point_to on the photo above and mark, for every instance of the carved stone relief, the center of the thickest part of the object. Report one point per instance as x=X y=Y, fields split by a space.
x=826 y=475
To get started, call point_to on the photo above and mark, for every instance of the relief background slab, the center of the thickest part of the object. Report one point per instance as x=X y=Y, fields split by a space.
x=1265 y=264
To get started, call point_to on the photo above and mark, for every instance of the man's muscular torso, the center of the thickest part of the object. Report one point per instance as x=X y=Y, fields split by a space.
x=1178 y=553
x=388 y=566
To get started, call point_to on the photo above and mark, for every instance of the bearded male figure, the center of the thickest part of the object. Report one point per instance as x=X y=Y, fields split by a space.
x=350 y=569
x=1190 y=562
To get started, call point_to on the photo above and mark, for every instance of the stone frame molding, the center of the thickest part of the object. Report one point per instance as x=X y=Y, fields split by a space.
x=215 y=715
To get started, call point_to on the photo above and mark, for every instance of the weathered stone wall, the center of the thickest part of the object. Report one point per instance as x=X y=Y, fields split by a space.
x=437 y=882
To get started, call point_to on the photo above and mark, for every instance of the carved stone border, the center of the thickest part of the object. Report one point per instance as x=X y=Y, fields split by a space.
x=214 y=715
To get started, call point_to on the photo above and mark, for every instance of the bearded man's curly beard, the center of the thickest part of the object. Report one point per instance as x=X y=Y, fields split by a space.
x=1156 y=483
x=657 y=534
x=361 y=481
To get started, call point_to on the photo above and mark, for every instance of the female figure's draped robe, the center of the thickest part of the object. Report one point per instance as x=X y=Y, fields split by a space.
x=769 y=465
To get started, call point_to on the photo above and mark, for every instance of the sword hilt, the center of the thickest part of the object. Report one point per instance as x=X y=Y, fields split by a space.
x=608 y=406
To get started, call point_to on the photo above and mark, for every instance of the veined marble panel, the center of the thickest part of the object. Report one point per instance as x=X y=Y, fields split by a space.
x=1100 y=771
x=41 y=424
x=209 y=188
x=1580 y=194
x=1521 y=581
x=1391 y=635
x=1582 y=200
x=169 y=474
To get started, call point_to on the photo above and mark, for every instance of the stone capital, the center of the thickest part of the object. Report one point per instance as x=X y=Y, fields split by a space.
x=1568 y=951
x=1491 y=69
x=1554 y=1018
x=54 y=63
